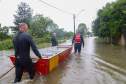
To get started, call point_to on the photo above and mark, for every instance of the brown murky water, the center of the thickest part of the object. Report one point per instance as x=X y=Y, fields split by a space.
x=111 y=53
x=89 y=68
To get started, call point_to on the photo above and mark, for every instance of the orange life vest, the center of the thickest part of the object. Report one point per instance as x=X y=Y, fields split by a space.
x=77 y=38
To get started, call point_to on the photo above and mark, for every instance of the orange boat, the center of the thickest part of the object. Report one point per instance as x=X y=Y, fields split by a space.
x=48 y=63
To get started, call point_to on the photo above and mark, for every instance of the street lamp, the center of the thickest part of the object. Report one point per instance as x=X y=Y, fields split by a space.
x=74 y=19
x=74 y=16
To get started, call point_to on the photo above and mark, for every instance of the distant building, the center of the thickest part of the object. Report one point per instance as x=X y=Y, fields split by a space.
x=11 y=31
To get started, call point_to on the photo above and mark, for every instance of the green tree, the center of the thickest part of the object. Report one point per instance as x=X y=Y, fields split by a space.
x=23 y=14
x=69 y=34
x=40 y=26
x=111 y=20
x=4 y=33
x=60 y=33
x=82 y=28
x=52 y=27
x=96 y=26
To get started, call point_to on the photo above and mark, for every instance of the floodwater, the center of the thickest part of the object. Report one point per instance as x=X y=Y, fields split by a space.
x=96 y=65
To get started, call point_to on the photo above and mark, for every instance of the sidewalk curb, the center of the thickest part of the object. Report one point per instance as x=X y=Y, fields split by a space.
x=112 y=66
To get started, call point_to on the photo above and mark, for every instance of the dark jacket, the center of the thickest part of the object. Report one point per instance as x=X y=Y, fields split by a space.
x=54 y=41
x=22 y=43
x=82 y=40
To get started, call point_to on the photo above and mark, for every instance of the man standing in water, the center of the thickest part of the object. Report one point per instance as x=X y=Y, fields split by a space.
x=22 y=43
x=54 y=40
x=78 y=41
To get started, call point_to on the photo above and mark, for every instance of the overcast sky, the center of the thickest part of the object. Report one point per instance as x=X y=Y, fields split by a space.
x=64 y=20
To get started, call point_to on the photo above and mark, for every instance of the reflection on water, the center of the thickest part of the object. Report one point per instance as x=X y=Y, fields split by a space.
x=83 y=69
x=112 y=54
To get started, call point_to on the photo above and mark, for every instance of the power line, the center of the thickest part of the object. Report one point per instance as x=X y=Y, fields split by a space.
x=55 y=7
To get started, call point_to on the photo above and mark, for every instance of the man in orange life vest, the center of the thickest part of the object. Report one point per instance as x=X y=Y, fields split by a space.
x=78 y=41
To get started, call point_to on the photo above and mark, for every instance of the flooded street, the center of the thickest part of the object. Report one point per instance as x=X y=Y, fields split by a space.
x=98 y=64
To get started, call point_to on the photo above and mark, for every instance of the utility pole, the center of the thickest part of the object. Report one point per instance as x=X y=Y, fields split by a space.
x=74 y=20
x=74 y=23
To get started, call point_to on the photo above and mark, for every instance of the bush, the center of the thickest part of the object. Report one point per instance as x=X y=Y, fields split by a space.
x=42 y=40
x=45 y=39
x=6 y=44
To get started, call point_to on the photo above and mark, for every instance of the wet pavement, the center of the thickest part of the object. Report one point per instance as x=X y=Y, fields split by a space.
x=88 y=68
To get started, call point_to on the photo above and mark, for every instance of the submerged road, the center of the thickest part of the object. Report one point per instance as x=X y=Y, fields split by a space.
x=85 y=69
